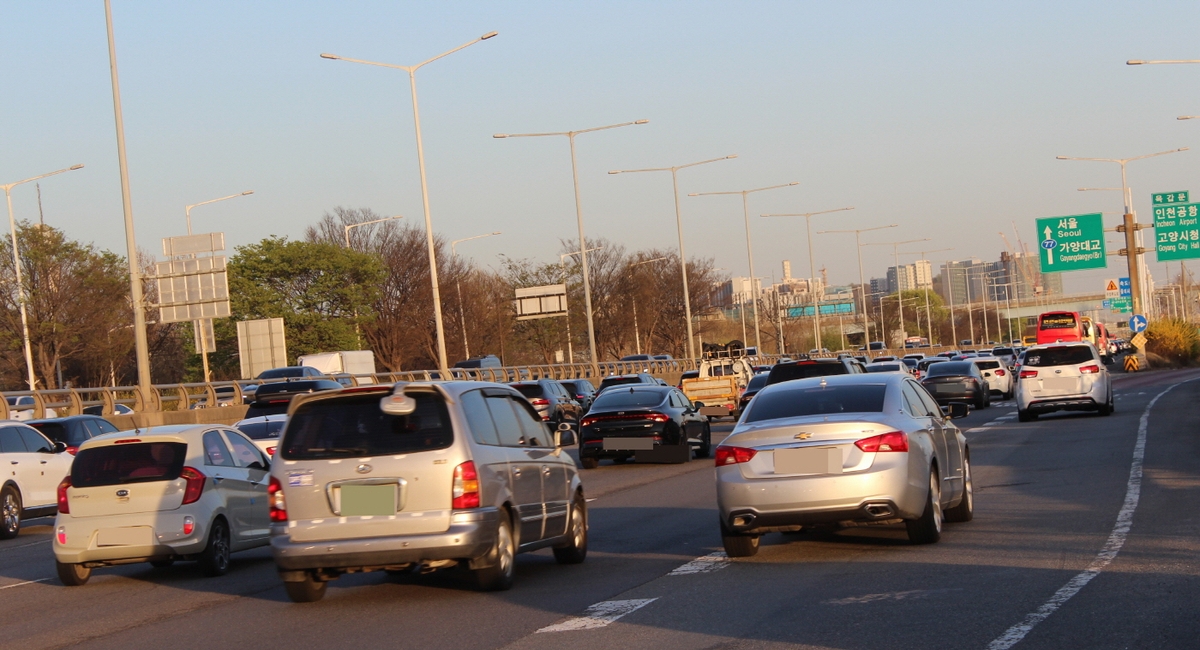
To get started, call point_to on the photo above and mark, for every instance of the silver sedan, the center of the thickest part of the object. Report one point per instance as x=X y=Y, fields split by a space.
x=844 y=450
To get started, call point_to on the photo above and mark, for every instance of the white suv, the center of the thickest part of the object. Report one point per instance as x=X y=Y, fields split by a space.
x=997 y=374
x=1063 y=377
x=33 y=466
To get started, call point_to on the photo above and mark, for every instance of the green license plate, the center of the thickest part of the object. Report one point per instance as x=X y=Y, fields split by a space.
x=368 y=500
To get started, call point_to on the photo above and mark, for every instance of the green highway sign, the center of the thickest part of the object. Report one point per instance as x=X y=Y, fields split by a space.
x=1071 y=243
x=1177 y=231
x=1169 y=198
x=1120 y=305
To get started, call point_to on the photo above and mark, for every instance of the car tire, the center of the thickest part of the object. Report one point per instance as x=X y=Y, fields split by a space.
x=1026 y=416
x=72 y=575
x=214 y=559
x=979 y=402
x=705 y=449
x=927 y=529
x=965 y=510
x=575 y=550
x=499 y=576
x=738 y=545
x=10 y=512
x=589 y=462
x=308 y=590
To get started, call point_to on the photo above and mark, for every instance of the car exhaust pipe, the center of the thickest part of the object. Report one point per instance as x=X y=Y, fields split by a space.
x=879 y=510
x=743 y=521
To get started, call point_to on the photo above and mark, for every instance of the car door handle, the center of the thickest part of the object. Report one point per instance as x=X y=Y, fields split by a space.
x=516 y=471
x=217 y=479
x=545 y=471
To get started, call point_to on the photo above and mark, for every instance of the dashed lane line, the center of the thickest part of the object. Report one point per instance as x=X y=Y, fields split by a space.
x=600 y=615
x=21 y=584
x=703 y=564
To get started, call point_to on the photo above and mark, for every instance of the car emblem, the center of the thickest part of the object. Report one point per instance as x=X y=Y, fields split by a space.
x=363 y=468
x=803 y=436
x=122 y=493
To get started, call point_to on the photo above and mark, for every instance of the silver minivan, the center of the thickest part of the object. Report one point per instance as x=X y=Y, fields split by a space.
x=420 y=475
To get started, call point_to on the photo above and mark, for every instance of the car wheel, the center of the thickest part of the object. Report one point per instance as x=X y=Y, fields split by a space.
x=927 y=529
x=575 y=549
x=589 y=462
x=10 y=513
x=738 y=545
x=499 y=576
x=214 y=559
x=965 y=510
x=979 y=402
x=72 y=575
x=1026 y=416
x=705 y=449
x=308 y=590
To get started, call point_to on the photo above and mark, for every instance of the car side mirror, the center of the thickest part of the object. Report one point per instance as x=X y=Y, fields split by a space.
x=956 y=410
x=697 y=405
x=60 y=447
x=257 y=465
x=564 y=436
x=987 y=374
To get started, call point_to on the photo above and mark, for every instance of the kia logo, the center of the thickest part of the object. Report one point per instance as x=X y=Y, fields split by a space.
x=122 y=493
x=363 y=468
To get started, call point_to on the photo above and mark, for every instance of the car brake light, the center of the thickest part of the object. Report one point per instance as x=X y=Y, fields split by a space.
x=189 y=525
x=64 y=506
x=1089 y=370
x=539 y=401
x=653 y=417
x=126 y=441
x=1026 y=374
x=999 y=372
x=72 y=450
x=465 y=490
x=62 y=536
x=734 y=455
x=890 y=441
x=275 y=500
x=195 y=484
x=270 y=451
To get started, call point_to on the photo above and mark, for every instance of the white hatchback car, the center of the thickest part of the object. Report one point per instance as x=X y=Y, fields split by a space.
x=32 y=465
x=183 y=492
x=1063 y=377
x=997 y=374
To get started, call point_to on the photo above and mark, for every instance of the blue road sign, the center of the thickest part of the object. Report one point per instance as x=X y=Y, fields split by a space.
x=1126 y=291
x=1137 y=323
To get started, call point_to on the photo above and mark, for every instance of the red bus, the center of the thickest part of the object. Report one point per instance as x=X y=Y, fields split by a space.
x=1055 y=326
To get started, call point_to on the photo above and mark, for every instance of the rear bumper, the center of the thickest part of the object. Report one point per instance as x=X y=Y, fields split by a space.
x=167 y=532
x=471 y=535
x=1063 y=404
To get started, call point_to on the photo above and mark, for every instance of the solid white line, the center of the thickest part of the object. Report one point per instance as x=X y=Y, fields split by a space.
x=13 y=548
x=599 y=615
x=703 y=564
x=27 y=582
x=1107 y=554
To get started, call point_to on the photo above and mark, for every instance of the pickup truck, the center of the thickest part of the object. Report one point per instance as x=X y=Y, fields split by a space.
x=719 y=386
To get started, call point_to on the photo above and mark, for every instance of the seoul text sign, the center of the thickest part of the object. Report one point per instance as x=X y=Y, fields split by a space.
x=1072 y=243
x=1177 y=231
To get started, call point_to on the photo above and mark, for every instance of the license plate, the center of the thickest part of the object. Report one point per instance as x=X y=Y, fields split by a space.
x=130 y=536
x=628 y=444
x=1061 y=384
x=811 y=460
x=368 y=500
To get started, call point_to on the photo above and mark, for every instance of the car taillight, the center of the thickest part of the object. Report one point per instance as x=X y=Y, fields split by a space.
x=579 y=397
x=62 y=536
x=64 y=506
x=270 y=451
x=1026 y=374
x=999 y=372
x=890 y=441
x=189 y=525
x=1089 y=370
x=539 y=402
x=466 y=487
x=653 y=417
x=72 y=450
x=734 y=455
x=195 y=484
x=275 y=500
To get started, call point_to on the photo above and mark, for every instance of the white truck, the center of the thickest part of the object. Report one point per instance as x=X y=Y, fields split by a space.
x=354 y=362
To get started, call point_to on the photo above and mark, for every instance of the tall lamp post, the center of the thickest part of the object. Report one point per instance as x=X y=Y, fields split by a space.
x=928 y=317
x=749 y=247
x=687 y=301
x=862 y=283
x=587 y=283
x=562 y=263
x=198 y=325
x=896 y=260
x=637 y=338
x=350 y=226
x=12 y=226
x=462 y=315
x=443 y=365
x=812 y=271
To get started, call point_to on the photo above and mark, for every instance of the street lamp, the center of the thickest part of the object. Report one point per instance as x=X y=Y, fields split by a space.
x=862 y=285
x=346 y=229
x=749 y=248
x=562 y=264
x=187 y=210
x=12 y=226
x=587 y=283
x=443 y=365
x=896 y=257
x=687 y=301
x=812 y=271
x=928 y=317
x=633 y=296
x=462 y=316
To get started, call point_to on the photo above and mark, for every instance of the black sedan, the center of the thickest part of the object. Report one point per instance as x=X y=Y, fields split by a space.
x=642 y=418
x=755 y=384
x=72 y=431
x=583 y=390
x=957 y=381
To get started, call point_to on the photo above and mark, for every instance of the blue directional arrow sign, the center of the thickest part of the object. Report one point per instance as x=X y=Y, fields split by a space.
x=1138 y=323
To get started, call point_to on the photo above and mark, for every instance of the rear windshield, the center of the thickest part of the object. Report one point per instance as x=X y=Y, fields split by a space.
x=883 y=367
x=949 y=368
x=354 y=426
x=987 y=365
x=529 y=390
x=617 y=399
x=1058 y=321
x=817 y=400
x=617 y=381
x=804 y=370
x=1065 y=356
x=57 y=432
x=1003 y=351
x=757 y=381
x=262 y=430
x=128 y=463
x=259 y=409
x=281 y=373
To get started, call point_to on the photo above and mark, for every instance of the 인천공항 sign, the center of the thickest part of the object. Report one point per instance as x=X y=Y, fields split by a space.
x=1072 y=243
x=1177 y=231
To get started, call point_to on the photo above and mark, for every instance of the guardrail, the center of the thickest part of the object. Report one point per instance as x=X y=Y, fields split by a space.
x=113 y=400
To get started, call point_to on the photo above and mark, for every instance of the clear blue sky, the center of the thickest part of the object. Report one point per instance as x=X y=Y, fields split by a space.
x=942 y=117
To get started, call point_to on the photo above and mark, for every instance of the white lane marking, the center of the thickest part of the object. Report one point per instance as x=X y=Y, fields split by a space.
x=12 y=548
x=591 y=499
x=599 y=615
x=703 y=564
x=27 y=582
x=1116 y=540
x=895 y=595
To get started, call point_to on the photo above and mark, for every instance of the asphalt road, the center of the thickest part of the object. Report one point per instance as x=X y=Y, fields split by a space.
x=1048 y=498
